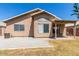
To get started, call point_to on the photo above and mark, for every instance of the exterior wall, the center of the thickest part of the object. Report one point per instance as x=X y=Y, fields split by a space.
x=70 y=31
x=28 y=30
x=77 y=31
x=77 y=23
x=31 y=26
x=64 y=32
x=36 y=21
x=0 y=31
x=2 y=28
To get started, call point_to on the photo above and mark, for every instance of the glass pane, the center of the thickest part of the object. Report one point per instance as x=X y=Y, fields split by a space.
x=21 y=27
x=16 y=27
x=40 y=28
x=46 y=28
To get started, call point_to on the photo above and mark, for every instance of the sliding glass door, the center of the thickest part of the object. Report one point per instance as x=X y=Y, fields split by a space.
x=43 y=28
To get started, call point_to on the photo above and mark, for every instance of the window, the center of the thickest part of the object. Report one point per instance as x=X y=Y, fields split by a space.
x=18 y=27
x=43 y=28
x=46 y=28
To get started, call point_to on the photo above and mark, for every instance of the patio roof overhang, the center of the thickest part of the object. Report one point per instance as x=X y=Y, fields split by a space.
x=65 y=21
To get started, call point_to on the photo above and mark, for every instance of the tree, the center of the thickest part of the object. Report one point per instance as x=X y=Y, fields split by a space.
x=75 y=10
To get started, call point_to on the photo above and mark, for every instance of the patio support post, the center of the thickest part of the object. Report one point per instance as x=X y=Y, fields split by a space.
x=74 y=30
x=65 y=32
x=55 y=30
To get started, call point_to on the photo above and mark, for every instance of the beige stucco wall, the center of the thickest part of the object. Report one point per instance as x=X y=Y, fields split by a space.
x=2 y=28
x=36 y=21
x=77 y=23
x=27 y=21
x=31 y=26
x=63 y=30
x=0 y=31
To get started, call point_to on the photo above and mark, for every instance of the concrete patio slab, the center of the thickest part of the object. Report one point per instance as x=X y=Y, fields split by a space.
x=23 y=42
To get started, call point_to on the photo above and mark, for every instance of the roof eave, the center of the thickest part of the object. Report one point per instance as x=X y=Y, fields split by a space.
x=6 y=20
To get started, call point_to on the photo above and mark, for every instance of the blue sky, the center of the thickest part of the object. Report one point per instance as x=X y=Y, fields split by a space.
x=62 y=10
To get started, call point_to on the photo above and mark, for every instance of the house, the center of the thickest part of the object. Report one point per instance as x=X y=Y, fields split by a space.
x=36 y=23
x=69 y=29
x=2 y=27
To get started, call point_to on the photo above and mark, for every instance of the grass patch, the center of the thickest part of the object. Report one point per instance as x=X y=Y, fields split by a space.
x=66 y=47
x=27 y=52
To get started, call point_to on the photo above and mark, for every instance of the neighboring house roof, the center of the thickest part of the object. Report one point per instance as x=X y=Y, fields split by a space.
x=77 y=23
x=2 y=24
x=67 y=25
x=66 y=21
x=38 y=10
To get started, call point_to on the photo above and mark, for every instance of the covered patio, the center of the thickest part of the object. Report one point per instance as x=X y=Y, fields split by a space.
x=64 y=22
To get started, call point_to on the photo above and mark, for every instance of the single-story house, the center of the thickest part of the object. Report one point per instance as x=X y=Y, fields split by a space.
x=69 y=29
x=35 y=23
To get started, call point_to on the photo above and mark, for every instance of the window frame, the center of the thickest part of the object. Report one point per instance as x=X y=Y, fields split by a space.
x=18 y=27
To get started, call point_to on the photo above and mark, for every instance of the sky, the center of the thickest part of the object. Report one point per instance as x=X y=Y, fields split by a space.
x=61 y=10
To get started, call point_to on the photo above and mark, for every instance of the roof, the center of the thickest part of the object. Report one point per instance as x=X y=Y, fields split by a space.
x=77 y=23
x=31 y=11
